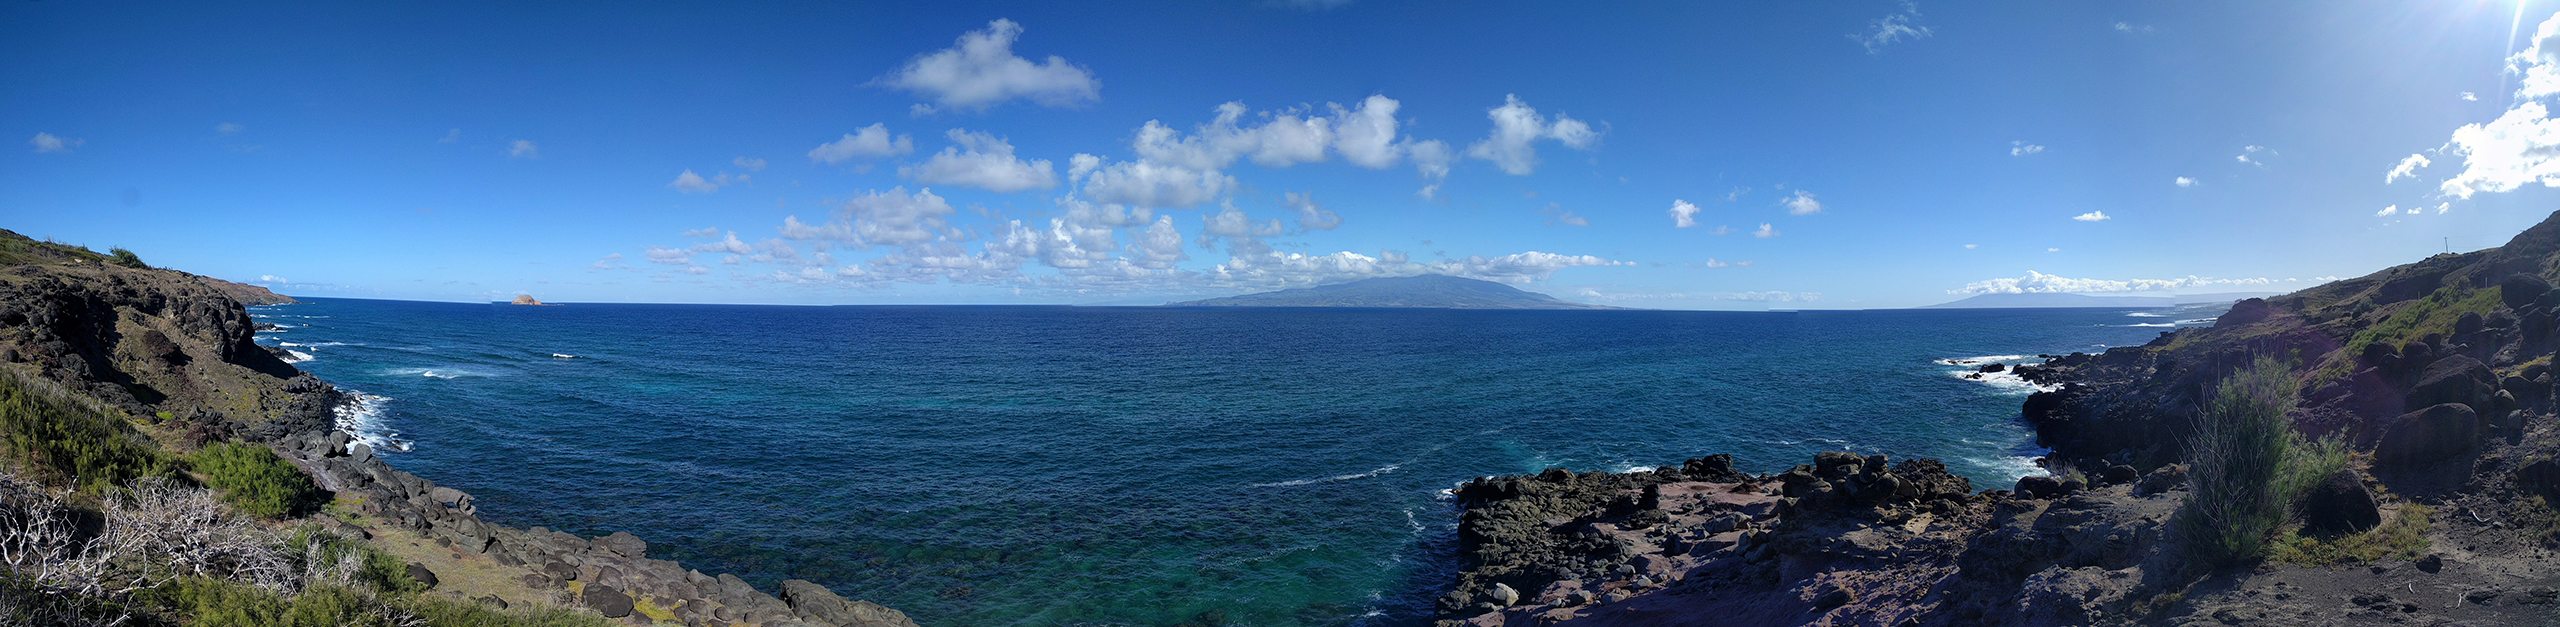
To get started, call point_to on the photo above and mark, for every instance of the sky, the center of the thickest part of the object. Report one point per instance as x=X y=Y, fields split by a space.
x=1832 y=154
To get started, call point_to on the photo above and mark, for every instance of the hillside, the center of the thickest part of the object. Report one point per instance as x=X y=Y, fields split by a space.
x=1429 y=291
x=2057 y=301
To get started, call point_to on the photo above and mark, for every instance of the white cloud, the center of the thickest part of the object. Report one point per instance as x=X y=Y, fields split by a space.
x=523 y=148
x=1720 y=230
x=2093 y=216
x=2248 y=155
x=669 y=256
x=2391 y=210
x=1148 y=184
x=1232 y=222
x=1772 y=297
x=2053 y=250
x=1158 y=247
x=752 y=165
x=1891 y=29
x=987 y=163
x=2470 y=97
x=269 y=278
x=610 y=262
x=2407 y=168
x=981 y=71
x=1284 y=138
x=1766 y=231
x=701 y=232
x=2041 y=283
x=1972 y=246
x=1431 y=159
x=1803 y=204
x=2441 y=207
x=691 y=183
x=1311 y=216
x=2522 y=146
x=1516 y=126
x=890 y=218
x=864 y=143
x=48 y=142
x=731 y=245
x=1366 y=136
x=2129 y=27
x=1519 y=267
x=1683 y=214
x=2022 y=148
x=2188 y=182
x=228 y=128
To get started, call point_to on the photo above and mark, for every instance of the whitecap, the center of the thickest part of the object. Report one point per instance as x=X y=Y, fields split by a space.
x=563 y=356
x=2199 y=320
x=294 y=356
x=361 y=416
x=2154 y=325
x=1976 y=361
x=2013 y=467
x=2146 y=314
x=1372 y=473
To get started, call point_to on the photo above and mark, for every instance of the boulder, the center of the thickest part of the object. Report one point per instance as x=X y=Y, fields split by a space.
x=2469 y=323
x=2520 y=290
x=2540 y=478
x=624 y=544
x=2428 y=435
x=424 y=577
x=606 y=600
x=2039 y=487
x=2453 y=379
x=1837 y=464
x=2340 y=505
x=1716 y=468
x=1503 y=594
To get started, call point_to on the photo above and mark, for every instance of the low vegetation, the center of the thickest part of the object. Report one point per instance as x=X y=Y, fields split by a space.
x=126 y=258
x=2403 y=537
x=2249 y=467
x=64 y=442
x=17 y=249
x=258 y=482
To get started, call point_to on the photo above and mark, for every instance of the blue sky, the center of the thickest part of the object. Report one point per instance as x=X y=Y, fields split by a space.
x=1849 y=154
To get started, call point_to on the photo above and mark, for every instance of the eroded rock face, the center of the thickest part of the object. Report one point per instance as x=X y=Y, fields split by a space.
x=2453 y=379
x=814 y=602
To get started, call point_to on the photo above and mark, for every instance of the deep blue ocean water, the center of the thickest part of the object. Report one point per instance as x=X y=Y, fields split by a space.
x=978 y=466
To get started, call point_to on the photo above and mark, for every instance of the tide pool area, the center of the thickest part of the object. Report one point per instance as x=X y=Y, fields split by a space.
x=1135 y=466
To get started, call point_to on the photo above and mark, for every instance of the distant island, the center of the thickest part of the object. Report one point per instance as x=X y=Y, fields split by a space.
x=2055 y=301
x=527 y=299
x=1429 y=291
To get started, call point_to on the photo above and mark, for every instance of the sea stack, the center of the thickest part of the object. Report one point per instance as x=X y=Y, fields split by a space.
x=526 y=299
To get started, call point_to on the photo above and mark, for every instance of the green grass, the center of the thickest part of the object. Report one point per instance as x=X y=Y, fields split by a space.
x=440 y=611
x=2435 y=313
x=2248 y=467
x=253 y=479
x=67 y=443
x=2539 y=520
x=2403 y=537
x=216 y=603
x=310 y=546
x=17 y=249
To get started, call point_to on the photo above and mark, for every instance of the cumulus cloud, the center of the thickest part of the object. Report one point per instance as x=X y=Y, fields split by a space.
x=2386 y=211
x=981 y=71
x=1772 y=297
x=269 y=278
x=1519 y=267
x=2093 y=216
x=1892 y=29
x=2408 y=168
x=2022 y=148
x=1311 y=216
x=868 y=142
x=48 y=142
x=1683 y=214
x=524 y=148
x=1282 y=139
x=2041 y=283
x=1972 y=246
x=669 y=256
x=1516 y=126
x=691 y=183
x=2187 y=182
x=752 y=165
x=2521 y=147
x=983 y=161
x=1556 y=214
x=890 y=218
x=610 y=262
x=731 y=245
x=1431 y=159
x=1366 y=136
x=2470 y=97
x=1146 y=183
x=1803 y=204
x=2249 y=155
x=1766 y=231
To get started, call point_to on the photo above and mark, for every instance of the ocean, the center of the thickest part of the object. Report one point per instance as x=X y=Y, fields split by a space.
x=986 y=466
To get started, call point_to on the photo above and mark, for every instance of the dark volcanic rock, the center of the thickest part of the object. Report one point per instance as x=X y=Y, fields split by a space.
x=2428 y=435
x=815 y=602
x=2039 y=487
x=1717 y=467
x=606 y=600
x=2453 y=379
x=2340 y=505
x=425 y=577
x=2520 y=290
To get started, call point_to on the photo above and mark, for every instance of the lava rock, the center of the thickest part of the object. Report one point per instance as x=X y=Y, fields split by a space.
x=2453 y=379
x=606 y=600
x=424 y=577
x=1717 y=468
x=2039 y=487
x=2428 y=435
x=815 y=602
x=2340 y=505
x=2520 y=290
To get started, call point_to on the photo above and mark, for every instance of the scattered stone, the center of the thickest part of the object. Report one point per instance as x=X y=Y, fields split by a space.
x=2429 y=435
x=424 y=577
x=606 y=600
x=1504 y=595
x=2340 y=505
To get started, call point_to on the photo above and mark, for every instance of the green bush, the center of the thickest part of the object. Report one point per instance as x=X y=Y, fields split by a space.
x=441 y=611
x=127 y=259
x=258 y=482
x=64 y=442
x=207 y=602
x=2248 y=467
x=2403 y=537
x=311 y=548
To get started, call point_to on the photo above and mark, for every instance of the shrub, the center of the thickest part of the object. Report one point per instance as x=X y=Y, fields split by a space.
x=441 y=611
x=322 y=556
x=258 y=482
x=2403 y=537
x=65 y=442
x=208 y=602
x=127 y=259
x=2247 y=466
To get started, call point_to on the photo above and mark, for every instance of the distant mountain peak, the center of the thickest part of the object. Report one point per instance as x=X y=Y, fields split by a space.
x=1426 y=291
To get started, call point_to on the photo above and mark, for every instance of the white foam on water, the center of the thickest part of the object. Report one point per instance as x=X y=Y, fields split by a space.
x=361 y=416
x=2147 y=324
x=1976 y=361
x=2199 y=320
x=2146 y=314
x=563 y=356
x=294 y=356
x=437 y=373
x=1372 y=473
x=2011 y=467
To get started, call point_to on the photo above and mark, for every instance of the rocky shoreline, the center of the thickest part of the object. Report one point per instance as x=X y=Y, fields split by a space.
x=2437 y=376
x=177 y=351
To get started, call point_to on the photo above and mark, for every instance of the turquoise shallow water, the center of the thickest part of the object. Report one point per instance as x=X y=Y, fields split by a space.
x=981 y=466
